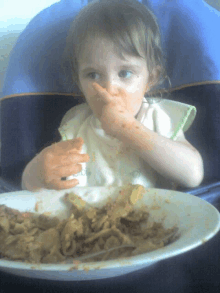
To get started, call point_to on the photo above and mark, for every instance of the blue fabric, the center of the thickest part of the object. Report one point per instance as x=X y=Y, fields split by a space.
x=189 y=37
x=29 y=124
x=191 y=43
x=34 y=64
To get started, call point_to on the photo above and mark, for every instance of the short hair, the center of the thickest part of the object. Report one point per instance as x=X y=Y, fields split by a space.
x=129 y=24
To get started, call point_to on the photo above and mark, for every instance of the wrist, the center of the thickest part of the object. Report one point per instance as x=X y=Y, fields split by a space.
x=126 y=128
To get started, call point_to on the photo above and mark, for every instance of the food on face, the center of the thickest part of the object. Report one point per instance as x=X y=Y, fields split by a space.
x=36 y=238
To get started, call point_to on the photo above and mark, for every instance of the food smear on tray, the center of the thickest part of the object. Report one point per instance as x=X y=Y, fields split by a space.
x=33 y=238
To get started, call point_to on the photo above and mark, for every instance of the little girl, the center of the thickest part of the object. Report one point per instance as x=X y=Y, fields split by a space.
x=117 y=136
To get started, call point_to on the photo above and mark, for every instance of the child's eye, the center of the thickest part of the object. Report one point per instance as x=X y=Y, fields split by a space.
x=125 y=74
x=92 y=75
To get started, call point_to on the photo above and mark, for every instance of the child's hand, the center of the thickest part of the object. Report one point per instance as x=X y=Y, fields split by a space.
x=59 y=160
x=111 y=111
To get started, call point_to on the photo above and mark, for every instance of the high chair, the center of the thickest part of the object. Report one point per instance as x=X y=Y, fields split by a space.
x=35 y=100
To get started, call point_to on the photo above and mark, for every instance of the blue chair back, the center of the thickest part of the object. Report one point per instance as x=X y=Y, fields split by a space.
x=36 y=96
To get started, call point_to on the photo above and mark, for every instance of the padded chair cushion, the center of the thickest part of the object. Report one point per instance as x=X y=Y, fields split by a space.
x=29 y=123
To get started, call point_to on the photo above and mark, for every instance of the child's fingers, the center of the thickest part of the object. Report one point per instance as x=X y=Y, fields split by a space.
x=103 y=94
x=77 y=143
x=61 y=172
x=74 y=145
x=106 y=96
x=58 y=184
x=68 y=146
x=66 y=171
x=51 y=160
x=75 y=158
x=122 y=92
x=98 y=87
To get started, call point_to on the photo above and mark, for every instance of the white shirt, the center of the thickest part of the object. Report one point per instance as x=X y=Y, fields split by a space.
x=111 y=163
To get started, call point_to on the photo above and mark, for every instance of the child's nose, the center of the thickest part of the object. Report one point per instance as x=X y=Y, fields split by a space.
x=112 y=88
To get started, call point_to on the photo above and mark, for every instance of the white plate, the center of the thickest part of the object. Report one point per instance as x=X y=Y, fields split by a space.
x=198 y=221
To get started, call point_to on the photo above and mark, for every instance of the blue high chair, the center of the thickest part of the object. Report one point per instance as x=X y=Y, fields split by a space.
x=36 y=98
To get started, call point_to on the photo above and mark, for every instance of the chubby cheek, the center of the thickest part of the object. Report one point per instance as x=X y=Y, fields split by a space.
x=88 y=91
x=94 y=101
x=133 y=103
x=90 y=95
x=136 y=106
x=135 y=98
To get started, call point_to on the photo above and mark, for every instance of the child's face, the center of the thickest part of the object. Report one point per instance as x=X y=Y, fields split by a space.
x=99 y=63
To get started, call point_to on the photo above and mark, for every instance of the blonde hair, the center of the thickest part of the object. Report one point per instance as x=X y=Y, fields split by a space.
x=130 y=25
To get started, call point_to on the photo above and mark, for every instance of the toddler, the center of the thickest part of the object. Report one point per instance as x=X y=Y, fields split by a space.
x=118 y=135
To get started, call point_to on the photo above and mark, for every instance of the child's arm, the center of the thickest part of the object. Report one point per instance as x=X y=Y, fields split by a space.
x=59 y=160
x=177 y=160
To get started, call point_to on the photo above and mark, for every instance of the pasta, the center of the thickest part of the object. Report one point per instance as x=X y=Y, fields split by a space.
x=41 y=239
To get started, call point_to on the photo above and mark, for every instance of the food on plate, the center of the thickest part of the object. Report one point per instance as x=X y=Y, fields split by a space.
x=36 y=238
